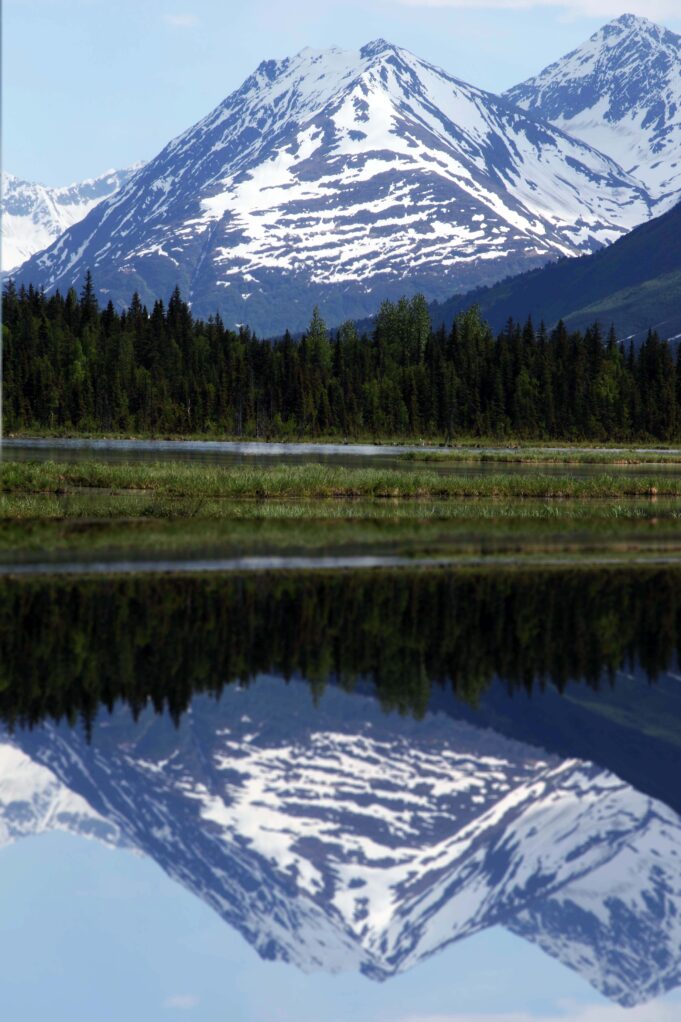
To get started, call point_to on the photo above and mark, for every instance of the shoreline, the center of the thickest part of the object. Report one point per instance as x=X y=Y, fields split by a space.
x=430 y=444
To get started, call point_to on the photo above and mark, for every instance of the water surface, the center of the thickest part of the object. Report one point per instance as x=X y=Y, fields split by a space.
x=370 y=793
x=387 y=456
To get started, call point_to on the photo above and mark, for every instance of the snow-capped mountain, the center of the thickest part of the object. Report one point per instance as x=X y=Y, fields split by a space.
x=32 y=216
x=621 y=93
x=338 y=838
x=341 y=178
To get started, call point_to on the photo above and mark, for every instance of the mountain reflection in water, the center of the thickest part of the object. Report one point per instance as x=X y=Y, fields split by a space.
x=334 y=835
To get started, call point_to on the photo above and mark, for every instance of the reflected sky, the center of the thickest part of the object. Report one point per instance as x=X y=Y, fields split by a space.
x=116 y=938
x=261 y=453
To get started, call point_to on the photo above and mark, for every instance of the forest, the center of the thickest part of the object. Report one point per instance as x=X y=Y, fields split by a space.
x=72 y=366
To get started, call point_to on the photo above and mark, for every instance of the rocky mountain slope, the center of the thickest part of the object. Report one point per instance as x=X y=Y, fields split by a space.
x=621 y=93
x=343 y=178
x=339 y=838
x=634 y=284
x=32 y=216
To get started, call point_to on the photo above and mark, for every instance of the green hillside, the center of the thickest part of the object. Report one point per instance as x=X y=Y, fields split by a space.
x=634 y=283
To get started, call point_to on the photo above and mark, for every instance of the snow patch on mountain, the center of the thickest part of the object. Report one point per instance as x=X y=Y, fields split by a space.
x=33 y=801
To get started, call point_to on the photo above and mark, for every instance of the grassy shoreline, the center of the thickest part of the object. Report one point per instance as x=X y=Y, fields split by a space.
x=529 y=456
x=195 y=509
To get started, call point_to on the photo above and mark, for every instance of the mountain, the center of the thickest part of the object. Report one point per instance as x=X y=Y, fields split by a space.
x=341 y=838
x=634 y=284
x=621 y=93
x=343 y=178
x=33 y=216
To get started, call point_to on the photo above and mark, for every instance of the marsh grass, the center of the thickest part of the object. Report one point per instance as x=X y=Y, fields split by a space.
x=135 y=508
x=288 y=482
x=530 y=457
x=81 y=505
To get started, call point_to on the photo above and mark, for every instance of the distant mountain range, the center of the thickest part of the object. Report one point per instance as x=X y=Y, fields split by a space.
x=343 y=178
x=339 y=838
x=635 y=285
x=34 y=215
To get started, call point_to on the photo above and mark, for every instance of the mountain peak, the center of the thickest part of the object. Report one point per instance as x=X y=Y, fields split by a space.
x=311 y=56
x=632 y=21
x=375 y=48
x=620 y=92
x=633 y=25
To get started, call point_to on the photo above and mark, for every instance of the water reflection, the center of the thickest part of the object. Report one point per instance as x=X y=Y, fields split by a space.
x=338 y=838
x=530 y=780
x=68 y=645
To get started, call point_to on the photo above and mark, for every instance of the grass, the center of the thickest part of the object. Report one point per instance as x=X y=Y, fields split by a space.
x=136 y=522
x=294 y=482
x=538 y=456
x=82 y=505
x=202 y=509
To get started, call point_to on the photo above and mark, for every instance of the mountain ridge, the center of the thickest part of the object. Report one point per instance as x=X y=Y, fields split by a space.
x=620 y=91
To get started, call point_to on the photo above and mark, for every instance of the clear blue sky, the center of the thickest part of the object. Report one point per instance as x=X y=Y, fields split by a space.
x=93 y=935
x=93 y=84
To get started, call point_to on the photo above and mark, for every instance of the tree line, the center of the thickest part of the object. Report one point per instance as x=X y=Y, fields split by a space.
x=71 y=365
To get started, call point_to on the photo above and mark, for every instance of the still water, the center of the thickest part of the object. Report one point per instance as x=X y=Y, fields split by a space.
x=390 y=794
x=219 y=452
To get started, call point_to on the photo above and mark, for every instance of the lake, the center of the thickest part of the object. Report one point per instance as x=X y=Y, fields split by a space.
x=389 y=793
x=350 y=455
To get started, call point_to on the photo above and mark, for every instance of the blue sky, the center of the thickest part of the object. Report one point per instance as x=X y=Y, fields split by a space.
x=89 y=934
x=90 y=84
